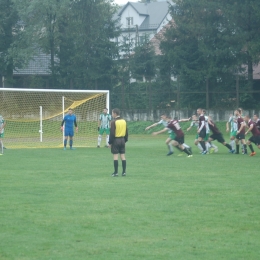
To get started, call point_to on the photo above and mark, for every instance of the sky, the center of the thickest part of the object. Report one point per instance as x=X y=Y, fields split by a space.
x=122 y=2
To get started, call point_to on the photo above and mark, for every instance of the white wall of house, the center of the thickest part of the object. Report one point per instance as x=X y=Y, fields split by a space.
x=164 y=22
x=131 y=12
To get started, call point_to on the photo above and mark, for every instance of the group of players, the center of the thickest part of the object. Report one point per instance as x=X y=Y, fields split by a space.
x=240 y=127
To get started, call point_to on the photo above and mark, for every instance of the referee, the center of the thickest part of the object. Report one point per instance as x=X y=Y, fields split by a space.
x=117 y=138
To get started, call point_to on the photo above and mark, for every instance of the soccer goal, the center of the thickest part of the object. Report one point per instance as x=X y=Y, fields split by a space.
x=33 y=116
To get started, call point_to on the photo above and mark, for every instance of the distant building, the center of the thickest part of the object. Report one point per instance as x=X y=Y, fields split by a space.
x=140 y=21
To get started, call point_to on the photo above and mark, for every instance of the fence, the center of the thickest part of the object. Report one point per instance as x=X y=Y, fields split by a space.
x=154 y=115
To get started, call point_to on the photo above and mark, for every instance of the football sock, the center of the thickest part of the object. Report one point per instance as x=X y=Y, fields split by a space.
x=199 y=146
x=245 y=148
x=65 y=142
x=232 y=143
x=107 y=140
x=99 y=140
x=208 y=145
x=170 y=147
x=228 y=146
x=237 y=146
x=186 y=151
x=251 y=148
x=116 y=166
x=179 y=148
x=202 y=143
x=124 y=165
x=2 y=146
x=71 y=142
x=186 y=146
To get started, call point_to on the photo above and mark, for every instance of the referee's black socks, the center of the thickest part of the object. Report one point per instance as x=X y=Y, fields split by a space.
x=124 y=165
x=116 y=166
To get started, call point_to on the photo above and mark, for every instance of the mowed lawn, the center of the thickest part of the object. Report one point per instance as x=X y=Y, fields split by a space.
x=57 y=204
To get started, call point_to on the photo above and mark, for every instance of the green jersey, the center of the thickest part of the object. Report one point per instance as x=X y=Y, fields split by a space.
x=105 y=120
x=1 y=124
x=232 y=120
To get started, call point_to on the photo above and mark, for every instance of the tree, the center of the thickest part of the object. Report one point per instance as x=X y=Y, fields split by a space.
x=42 y=19
x=91 y=29
x=207 y=43
x=143 y=65
x=77 y=36
x=10 y=40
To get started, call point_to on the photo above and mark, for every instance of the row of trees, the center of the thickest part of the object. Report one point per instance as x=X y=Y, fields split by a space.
x=208 y=46
x=211 y=44
x=76 y=34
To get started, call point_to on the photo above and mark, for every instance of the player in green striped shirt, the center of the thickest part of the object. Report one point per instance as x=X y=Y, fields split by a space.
x=233 y=130
x=104 y=126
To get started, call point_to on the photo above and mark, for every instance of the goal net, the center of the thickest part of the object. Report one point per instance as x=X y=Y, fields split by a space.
x=33 y=116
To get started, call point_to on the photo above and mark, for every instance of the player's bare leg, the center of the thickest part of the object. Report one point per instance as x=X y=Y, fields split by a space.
x=181 y=147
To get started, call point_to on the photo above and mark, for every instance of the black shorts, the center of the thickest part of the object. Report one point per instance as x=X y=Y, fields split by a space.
x=240 y=136
x=202 y=133
x=255 y=140
x=118 y=145
x=218 y=137
x=180 y=140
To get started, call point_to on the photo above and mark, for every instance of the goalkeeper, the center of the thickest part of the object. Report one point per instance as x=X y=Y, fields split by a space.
x=104 y=126
x=2 y=127
x=69 y=120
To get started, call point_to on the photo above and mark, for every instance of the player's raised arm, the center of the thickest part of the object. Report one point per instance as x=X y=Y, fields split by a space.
x=151 y=126
x=159 y=132
x=185 y=120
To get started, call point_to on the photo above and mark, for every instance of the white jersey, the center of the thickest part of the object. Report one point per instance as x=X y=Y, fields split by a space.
x=105 y=120
x=165 y=124
x=2 y=121
x=207 y=124
x=194 y=123
x=233 y=122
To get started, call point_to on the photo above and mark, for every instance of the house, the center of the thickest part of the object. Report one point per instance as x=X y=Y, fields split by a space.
x=38 y=66
x=140 y=21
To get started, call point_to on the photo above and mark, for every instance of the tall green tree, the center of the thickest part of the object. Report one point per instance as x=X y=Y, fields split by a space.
x=90 y=31
x=10 y=40
x=42 y=19
x=210 y=41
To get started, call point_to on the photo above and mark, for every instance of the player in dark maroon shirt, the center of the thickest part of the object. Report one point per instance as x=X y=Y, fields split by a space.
x=240 y=131
x=179 y=138
x=256 y=135
x=202 y=130
x=257 y=121
x=217 y=135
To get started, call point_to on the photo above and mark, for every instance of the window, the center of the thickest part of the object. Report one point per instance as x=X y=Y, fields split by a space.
x=129 y=21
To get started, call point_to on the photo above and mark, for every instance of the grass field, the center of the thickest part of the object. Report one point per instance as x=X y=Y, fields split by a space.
x=59 y=204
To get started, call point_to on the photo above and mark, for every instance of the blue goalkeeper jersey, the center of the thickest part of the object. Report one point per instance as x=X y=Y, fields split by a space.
x=70 y=121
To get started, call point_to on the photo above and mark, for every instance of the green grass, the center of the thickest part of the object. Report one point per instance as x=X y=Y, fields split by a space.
x=59 y=204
